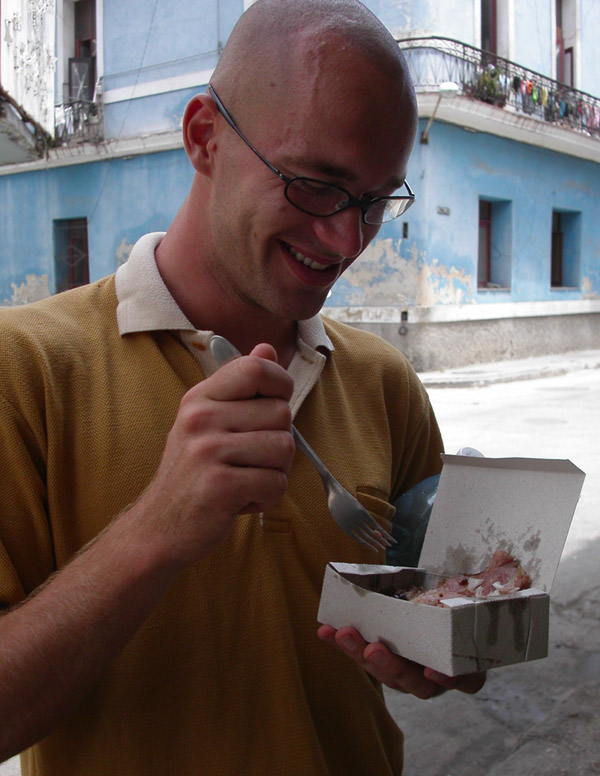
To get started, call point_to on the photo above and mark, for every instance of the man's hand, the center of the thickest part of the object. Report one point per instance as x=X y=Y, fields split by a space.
x=394 y=671
x=228 y=453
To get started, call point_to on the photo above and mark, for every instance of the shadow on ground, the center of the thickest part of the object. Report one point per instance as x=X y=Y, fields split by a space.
x=537 y=718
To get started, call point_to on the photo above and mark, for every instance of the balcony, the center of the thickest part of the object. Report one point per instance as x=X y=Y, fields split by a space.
x=79 y=121
x=534 y=108
x=22 y=139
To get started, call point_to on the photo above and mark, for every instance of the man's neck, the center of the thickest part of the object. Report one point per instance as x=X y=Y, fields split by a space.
x=204 y=304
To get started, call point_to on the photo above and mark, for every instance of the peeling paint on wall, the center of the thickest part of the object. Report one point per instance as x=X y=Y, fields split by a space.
x=33 y=289
x=382 y=277
x=587 y=289
x=123 y=251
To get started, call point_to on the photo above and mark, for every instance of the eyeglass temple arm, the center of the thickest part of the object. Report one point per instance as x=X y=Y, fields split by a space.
x=229 y=119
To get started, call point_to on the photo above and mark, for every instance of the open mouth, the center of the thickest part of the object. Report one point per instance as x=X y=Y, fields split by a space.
x=306 y=261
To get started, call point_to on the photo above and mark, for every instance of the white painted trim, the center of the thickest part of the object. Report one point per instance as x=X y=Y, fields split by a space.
x=456 y=313
x=511 y=29
x=553 y=38
x=506 y=122
x=159 y=86
x=87 y=153
x=477 y=23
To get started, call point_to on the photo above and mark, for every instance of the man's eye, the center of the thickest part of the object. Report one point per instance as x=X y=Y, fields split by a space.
x=312 y=188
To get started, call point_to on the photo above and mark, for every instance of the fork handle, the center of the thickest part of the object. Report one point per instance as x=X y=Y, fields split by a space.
x=224 y=351
x=303 y=445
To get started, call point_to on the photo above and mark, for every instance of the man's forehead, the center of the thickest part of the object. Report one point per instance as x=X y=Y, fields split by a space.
x=326 y=168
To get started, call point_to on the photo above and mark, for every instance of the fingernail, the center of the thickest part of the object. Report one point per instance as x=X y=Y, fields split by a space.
x=348 y=643
x=378 y=659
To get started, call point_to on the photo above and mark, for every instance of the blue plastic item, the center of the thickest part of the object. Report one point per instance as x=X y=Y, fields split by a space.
x=410 y=522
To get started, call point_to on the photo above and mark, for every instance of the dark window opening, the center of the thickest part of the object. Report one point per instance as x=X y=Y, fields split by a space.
x=82 y=67
x=556 y=270
x=484 y=263
x=565 y=60
x=488 y=26
x=565 y=250
x=568 y=74
x=71 y=256
x=494 y=259
x=560 y=44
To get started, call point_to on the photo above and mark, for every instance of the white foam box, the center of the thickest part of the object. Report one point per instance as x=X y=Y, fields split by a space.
x=521 y=505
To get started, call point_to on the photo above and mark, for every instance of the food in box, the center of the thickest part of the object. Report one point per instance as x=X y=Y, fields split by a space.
x=521 y=506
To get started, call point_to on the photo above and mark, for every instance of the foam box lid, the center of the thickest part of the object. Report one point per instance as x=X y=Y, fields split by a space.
x=521 y=505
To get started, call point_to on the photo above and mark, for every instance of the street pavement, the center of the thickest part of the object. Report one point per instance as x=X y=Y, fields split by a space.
x=538 y=718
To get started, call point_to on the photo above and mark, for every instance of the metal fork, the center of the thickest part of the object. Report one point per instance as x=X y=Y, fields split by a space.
x=348 y=513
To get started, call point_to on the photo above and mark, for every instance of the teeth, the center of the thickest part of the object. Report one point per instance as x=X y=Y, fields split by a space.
x=305 y=260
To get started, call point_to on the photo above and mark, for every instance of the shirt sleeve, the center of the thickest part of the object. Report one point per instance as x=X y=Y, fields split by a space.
x=421 y=456
x=26 y=556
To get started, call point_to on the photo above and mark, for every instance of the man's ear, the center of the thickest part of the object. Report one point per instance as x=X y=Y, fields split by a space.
x=199 y=132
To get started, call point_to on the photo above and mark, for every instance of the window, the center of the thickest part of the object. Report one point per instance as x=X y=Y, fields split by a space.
x=494 y=244
x=488 y=26
x=71 y=257
x=76 y=50
x=567 y=38
x=484 y=263
x=82 y=66
x=565 y=249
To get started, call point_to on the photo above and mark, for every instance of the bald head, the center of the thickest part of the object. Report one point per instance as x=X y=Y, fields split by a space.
x=279 y=44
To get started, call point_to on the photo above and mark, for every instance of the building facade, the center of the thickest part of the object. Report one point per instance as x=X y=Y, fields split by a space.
x=500 y=255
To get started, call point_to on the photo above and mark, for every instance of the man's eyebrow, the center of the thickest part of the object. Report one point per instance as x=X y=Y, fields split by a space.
x=328 y=170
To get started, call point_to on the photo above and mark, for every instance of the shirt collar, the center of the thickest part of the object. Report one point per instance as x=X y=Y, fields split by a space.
x=146 y=304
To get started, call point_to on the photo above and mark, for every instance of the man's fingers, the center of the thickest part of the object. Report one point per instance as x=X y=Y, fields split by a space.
x=247 y=377
x=468 y=683
x=394 y=671
x=257 y=449
x=265 y=351
x=258 y=490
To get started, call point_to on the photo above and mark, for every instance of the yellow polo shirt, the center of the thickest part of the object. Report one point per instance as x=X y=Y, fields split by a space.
x=226 y=676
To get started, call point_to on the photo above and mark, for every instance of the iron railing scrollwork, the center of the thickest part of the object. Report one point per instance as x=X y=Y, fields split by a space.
x=497 y=81
x=78 y=121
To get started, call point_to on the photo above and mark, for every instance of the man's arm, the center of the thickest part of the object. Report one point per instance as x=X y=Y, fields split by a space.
x=227 y=453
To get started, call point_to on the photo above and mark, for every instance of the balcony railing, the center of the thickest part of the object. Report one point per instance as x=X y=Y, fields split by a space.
x=78 y=121
x=492 y=79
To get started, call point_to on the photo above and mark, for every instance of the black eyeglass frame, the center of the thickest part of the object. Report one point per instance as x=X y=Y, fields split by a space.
x=351 y=201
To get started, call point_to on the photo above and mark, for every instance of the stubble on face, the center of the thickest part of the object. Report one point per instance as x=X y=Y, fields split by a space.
x=312 y=98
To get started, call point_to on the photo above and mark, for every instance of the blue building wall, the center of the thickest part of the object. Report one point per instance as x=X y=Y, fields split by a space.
x=437 y=263
x=122 y=200
x=452 y=18
x=534 y=36
x=150 y=43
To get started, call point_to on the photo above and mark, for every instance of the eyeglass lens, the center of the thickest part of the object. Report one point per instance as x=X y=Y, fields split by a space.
x=322 y=199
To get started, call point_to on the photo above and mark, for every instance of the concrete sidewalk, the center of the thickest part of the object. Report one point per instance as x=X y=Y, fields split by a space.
x=508 y=371
x=539 y=718
x=531 y=719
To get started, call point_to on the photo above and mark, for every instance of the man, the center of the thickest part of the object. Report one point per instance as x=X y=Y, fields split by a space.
x=163 y=545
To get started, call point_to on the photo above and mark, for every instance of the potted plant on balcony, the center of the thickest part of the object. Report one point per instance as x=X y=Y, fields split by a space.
x=487 y=87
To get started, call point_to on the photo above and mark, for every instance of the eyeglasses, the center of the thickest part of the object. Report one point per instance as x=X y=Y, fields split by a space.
x=318 y=198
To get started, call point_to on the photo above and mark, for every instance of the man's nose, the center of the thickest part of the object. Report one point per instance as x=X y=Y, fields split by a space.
x=344 y=232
